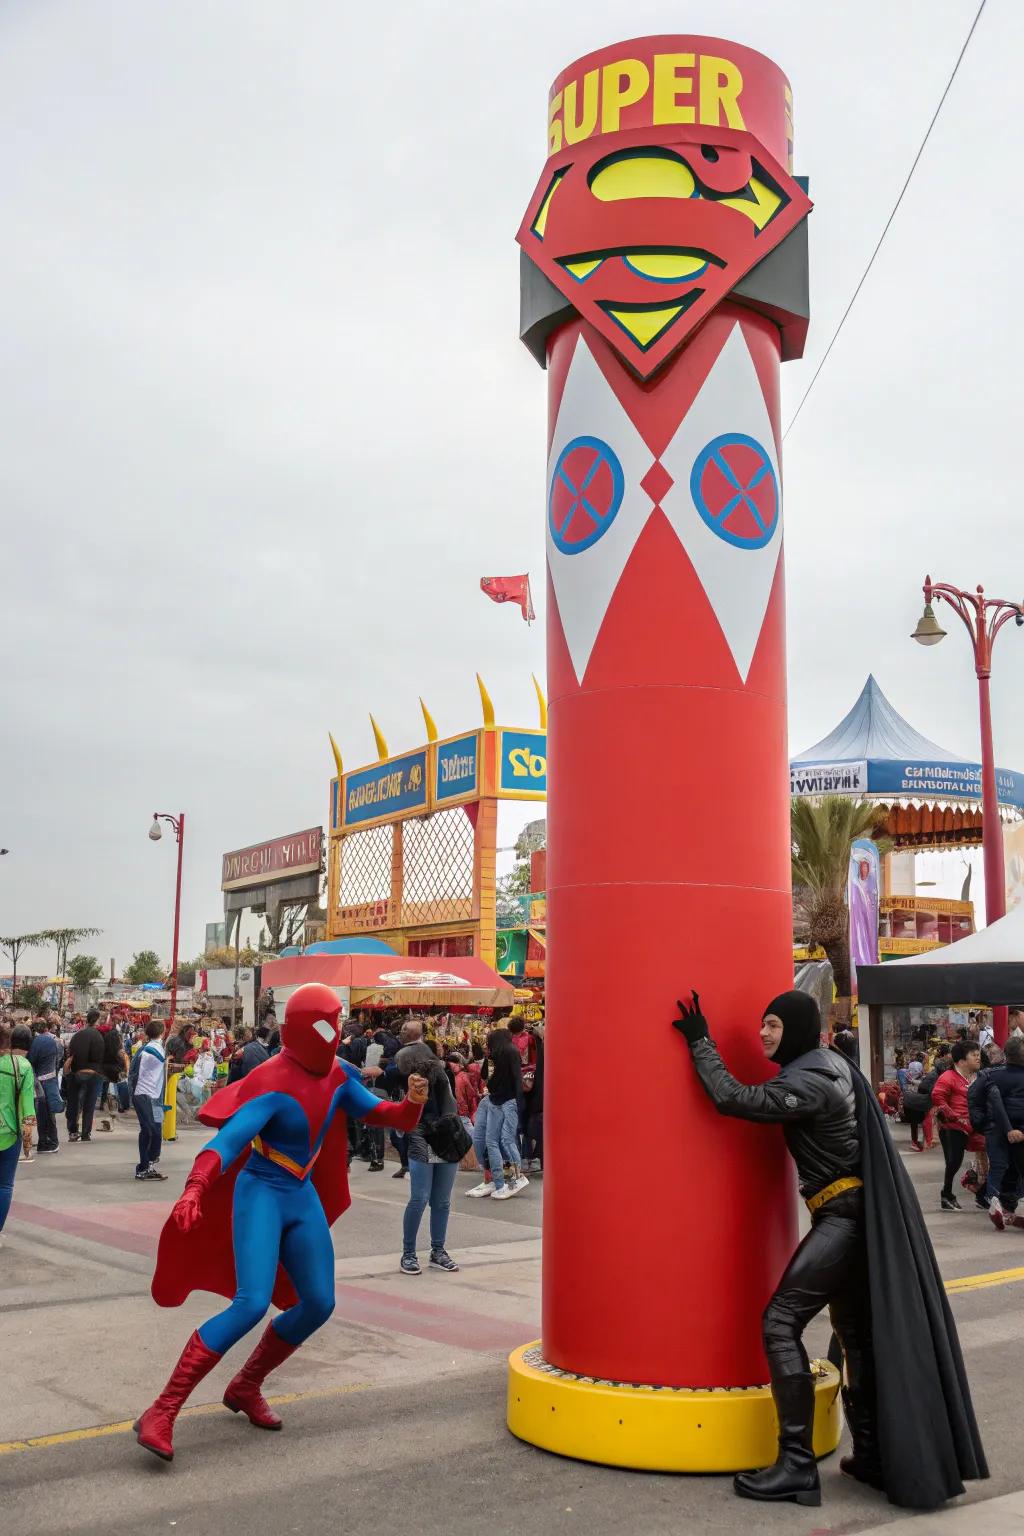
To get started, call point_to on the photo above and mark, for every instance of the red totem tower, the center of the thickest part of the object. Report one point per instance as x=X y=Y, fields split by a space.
x=664 y=278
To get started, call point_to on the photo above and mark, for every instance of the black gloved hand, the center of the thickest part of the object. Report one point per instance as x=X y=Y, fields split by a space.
x=691 y=1022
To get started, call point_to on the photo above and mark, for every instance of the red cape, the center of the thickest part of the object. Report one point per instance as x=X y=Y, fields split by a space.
x=203 y=1259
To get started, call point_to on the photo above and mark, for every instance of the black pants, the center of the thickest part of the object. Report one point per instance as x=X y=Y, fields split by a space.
x=954 y=1147
x=531 y=1127
x=81 y=1090
x=828 y=1269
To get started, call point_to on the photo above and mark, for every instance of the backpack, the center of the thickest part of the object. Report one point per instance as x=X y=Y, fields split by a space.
x=136 y=1063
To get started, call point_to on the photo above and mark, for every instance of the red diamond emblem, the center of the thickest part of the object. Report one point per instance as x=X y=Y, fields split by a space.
x=657 y=482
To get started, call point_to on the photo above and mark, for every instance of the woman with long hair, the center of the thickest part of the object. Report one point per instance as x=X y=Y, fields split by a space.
x=495 y=1134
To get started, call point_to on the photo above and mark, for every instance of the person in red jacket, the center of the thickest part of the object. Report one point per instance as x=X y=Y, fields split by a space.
x=467 y=1092
x=949 y=1101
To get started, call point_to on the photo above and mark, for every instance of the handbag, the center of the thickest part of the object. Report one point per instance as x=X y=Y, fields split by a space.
x=447 y=1138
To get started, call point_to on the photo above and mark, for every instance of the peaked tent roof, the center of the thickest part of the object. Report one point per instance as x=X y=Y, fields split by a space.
x=874 y=729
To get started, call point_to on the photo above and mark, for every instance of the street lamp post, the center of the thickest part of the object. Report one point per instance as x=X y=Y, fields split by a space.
x=177 y=823
x=983 y=618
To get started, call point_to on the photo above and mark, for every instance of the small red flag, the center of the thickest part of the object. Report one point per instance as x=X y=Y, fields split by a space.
x=510 y=589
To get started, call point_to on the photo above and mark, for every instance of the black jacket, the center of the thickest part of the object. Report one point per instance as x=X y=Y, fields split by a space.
x=1001 y=1111
x=85 y=1051
x=812 y=1099
x=440 y=1102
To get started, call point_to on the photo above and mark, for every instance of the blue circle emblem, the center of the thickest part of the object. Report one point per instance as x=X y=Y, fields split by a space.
x=736 y=491
x=585 y=494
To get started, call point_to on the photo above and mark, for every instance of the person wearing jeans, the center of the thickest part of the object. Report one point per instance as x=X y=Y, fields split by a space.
x=497 y=1126
x=431 y=1177
x=45 y=1056
x=17 y=1107
x=996 y=1100
x=148 y=1100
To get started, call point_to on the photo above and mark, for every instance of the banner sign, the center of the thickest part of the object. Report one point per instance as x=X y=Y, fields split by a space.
x=828 y=778
x=943 y=781
x=455 y=770
x=523 y=765
x=385 y=790
x=919 y=781
x=862 y=897
x=367 y=916
x=264 y=863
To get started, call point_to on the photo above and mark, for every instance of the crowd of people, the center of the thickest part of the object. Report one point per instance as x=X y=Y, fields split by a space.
x=485 y=1096
x=968 y=1095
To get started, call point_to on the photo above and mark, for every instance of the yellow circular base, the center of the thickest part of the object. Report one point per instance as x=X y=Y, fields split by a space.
x=655 y=1429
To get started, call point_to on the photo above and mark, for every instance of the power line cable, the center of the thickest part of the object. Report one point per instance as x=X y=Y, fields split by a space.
x=888 y=222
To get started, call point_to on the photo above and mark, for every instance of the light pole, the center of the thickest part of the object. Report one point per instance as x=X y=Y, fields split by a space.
x=155 y=832
x=983 y=618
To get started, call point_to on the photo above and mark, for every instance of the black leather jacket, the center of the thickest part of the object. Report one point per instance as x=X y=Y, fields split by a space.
x=812 y=1099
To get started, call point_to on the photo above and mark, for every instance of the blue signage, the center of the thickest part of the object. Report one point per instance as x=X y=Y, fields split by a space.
x=959 y=781
x=387 y=789
x=455 y=776
x=523 y=765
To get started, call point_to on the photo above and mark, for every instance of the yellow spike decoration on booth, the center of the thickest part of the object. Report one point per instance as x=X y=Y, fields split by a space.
x=337 y=756
x=542 y=704
x=382 y=747
x=488 y=707
x=428 y=721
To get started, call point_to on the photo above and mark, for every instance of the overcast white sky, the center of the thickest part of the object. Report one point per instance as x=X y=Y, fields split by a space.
x=266 y=420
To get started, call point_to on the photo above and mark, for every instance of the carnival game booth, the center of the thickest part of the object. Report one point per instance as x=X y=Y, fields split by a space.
x=383 y=982
x=936 y=989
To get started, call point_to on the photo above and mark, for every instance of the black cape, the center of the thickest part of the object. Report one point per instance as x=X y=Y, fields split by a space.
x=927 y=1431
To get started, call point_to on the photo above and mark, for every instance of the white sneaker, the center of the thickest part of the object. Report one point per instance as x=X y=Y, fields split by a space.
x=519 y=1183
x=479 y=1190
x=505 y=1193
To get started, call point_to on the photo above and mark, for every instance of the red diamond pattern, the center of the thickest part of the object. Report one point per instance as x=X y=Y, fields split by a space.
x=657 y=482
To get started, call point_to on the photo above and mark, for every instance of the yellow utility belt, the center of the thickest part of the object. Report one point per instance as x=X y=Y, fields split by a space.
x=830 y=1191
x=282 y=1159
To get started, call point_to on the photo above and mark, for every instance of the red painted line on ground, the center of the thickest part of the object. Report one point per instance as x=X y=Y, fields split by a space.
x=451 y=1325
x=95 y=1229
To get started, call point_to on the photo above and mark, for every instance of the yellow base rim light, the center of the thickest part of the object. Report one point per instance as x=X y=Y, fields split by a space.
x=656 y=1429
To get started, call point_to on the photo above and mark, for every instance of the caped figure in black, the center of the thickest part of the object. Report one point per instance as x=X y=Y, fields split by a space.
x=868 y=1258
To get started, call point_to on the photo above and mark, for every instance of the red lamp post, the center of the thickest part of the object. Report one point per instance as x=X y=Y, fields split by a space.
x=983 y=617
x=177 y=823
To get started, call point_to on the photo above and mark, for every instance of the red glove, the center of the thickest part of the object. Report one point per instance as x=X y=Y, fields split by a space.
x=187 y=1211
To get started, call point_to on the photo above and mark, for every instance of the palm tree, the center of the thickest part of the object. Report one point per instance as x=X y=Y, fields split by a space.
x=822 y=831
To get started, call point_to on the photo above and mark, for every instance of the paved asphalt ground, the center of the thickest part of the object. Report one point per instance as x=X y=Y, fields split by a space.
x=398 y=1423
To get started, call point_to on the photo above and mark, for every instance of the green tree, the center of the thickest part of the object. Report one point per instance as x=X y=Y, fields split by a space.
x=12 y=947
x=83 y=970
x=63 y=939
x=145 y=966
x=28 y=997
x=822 y=831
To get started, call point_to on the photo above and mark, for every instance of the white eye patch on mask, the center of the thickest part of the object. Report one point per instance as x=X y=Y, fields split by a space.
x=325 y=1031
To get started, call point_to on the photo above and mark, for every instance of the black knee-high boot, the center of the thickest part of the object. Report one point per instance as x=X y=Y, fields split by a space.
x=794 y=1476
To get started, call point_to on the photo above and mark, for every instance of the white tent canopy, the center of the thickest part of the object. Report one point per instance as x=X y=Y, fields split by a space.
x=986 y=968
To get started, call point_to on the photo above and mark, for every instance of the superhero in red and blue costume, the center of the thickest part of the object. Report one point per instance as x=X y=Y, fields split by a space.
x=253 y=1222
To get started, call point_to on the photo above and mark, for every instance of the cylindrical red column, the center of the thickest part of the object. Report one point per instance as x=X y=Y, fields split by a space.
x=666 y=1227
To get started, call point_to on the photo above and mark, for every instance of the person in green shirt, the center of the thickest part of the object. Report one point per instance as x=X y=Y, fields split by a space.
x=17 y=1107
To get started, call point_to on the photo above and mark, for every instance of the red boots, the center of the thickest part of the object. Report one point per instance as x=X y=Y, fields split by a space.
x=155 y=1429
x=243 y=1393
